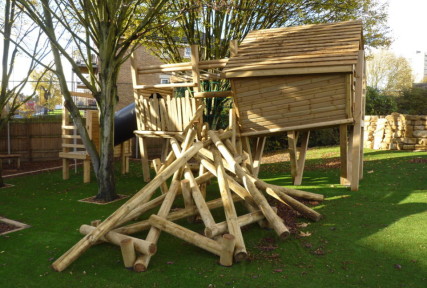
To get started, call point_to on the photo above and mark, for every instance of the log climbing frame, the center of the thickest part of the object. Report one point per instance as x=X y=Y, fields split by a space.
x=234 y=155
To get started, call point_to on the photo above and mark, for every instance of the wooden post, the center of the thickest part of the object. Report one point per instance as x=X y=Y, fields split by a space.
x=301 y=158
x=128 y=253
x=292 y=143
x=65 y=169
x=259 y=149
x=86 y=171
x=357 y=128
x=196 y=80
x=141 y=124
x=343 y=154
x=204 y=135
x=240 y=252
x=247 y=149
x=65 y=161
x=350 y=159
x=233 y=125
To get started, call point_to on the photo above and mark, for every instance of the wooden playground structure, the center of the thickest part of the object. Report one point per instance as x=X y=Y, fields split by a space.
x=74 y=149
x=284 y=80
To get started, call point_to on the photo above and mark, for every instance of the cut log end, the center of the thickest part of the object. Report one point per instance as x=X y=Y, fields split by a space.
x=284 y=235
x=240 y=256
x=57 y=267
x=139 y=267
x=152 y=248
x=228 y=244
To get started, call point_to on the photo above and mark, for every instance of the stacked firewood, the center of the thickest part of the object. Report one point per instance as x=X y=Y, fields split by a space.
x=220 y=155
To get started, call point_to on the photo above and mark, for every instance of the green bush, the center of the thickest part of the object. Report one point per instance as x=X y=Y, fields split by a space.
x=379 y=104
x=413 y=101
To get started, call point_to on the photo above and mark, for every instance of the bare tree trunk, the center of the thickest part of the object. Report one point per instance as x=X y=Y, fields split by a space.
x=105 y=174
x=107 y=79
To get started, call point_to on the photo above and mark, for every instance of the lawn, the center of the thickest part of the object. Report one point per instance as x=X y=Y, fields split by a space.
x=376 y=237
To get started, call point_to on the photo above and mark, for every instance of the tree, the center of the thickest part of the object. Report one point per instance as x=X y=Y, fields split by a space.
x=387 y=72
x=16 y=32
x=48 y=90
x=105 y=32
x=378 y=104
x=212 y=24
x=413 y=101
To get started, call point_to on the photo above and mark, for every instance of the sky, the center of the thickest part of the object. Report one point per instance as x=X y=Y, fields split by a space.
x=408 y=21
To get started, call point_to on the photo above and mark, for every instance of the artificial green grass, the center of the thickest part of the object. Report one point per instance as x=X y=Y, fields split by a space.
x=376 y=237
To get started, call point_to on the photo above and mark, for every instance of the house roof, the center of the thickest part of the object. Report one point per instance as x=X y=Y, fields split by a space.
x=317 y=48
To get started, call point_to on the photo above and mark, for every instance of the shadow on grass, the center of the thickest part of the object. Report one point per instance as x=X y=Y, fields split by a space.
x=383 y=225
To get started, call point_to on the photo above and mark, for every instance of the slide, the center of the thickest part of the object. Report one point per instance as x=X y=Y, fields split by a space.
x=124 y=124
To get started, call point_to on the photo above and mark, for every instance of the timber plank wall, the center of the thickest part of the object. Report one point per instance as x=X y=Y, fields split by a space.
x=32 y=139
x=41 y=141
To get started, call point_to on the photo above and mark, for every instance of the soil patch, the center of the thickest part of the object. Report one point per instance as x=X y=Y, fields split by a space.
x=418 y=160
x=92 y=200
x=8 y=226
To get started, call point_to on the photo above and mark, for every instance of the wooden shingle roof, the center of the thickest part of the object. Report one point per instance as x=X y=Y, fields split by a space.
x=317 y=48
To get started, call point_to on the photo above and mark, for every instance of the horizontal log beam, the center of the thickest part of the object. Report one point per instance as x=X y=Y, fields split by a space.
x=298 y=127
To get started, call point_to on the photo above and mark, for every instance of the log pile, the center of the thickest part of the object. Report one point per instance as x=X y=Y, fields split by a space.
x=396 y=132
x=221 y=155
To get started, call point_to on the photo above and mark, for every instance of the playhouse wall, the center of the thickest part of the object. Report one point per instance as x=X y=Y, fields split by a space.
x=266 y=103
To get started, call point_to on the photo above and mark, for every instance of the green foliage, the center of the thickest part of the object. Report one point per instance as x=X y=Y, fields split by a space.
x=324 y=137
x=413 y=101
x=47 y=87
x=379 y=104
x=318 y=138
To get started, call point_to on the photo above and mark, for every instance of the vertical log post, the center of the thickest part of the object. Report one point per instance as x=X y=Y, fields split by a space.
x=357 y=128
x=305 y=135
x=240 y=252
x=86 y=171
x=343 y=154
x=140 y=122
x=292 y=143
x=128 y=253
x=259 y=149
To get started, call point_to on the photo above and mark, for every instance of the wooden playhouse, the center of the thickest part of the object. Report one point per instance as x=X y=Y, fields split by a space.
x=302 y=78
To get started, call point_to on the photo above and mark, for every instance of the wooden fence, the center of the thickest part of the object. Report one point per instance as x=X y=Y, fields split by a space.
x=37 y=140
x=33 y=140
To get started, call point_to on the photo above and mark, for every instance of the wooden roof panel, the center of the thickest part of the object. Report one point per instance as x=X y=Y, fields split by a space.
x=289 y=47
